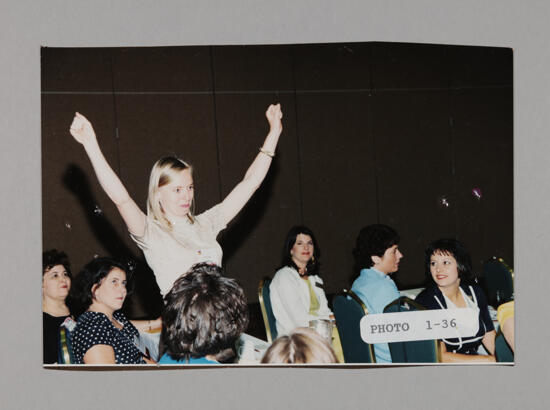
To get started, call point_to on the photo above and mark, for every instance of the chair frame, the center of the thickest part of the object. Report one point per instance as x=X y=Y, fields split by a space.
x=264 y=310
x=417 y=306
x=64 y=339
x=358 y=300
x=499 y=333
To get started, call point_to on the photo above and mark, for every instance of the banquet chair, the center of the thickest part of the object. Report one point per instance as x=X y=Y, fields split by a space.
x=349 y=310
x=503 y=352
x=417 y=351
x=499 y=280
x=65 y=350
x=267 y=311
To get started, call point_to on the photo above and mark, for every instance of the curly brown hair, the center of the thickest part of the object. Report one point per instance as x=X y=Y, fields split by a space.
x=204 y=314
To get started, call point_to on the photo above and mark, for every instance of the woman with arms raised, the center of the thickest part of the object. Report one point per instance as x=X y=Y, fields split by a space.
x=170 y=235
x=449 y=265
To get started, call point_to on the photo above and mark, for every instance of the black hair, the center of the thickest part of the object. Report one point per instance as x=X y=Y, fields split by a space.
x=454 y=248
x=204 y=314
x=373 y=240
x=80 y=295
x=312 y=267
x=52 y=258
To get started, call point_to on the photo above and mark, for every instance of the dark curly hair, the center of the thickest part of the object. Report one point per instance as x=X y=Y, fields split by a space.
x=204 y=314
x=373 y=240
x=52 y=258
x=312 y=267
x=454 y=248
x=80 y=295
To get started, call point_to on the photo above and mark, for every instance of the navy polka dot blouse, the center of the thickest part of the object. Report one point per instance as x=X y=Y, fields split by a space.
x=95 y=328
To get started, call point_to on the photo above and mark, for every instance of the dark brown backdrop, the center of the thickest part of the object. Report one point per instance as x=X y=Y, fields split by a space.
x=373 y=132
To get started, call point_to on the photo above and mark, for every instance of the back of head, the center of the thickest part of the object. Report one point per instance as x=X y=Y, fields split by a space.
x=455 y=248
x=162 y=173
x=302 y=345
x=204 y=313
x=373 y=240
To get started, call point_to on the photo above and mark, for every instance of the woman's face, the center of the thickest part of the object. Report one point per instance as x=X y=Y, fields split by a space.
x=56 y=283
x=177 y=196
x=302 y=251
x=389 y=262
x=111 y=291
x=444 y=270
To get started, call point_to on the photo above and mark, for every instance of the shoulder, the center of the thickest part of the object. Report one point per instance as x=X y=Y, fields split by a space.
x=167 y=359
x=426 y=297
x=118 y=315
x=209 y=214
x=92 y=319
x=285 y=273
x=467 y=288
x=317 y=279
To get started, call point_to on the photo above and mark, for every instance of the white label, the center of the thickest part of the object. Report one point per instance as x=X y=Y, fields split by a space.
x=419 y=325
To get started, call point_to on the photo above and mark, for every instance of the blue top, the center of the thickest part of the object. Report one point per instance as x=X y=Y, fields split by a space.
x=167 y=359
x=376 y=290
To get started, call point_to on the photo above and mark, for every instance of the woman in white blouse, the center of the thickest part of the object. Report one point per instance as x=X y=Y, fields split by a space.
x=296 y=291
x=171 y=236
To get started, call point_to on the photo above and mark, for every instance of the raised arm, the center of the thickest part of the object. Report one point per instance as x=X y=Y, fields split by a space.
x=83 y=132
x=256 y=173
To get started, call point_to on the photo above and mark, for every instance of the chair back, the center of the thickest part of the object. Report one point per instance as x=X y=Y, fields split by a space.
x=417 y=351
x=499 y=280
x=503 y=352
x=267 y=311
x=65 y=350
x=349 y=310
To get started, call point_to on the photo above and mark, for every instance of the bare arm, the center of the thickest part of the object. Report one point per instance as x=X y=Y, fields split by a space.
x=147 y=325
x=256 y=173
x=450 y=357
x=489 y=342
x=83 y=132
x=100 y=354
x=508 y=332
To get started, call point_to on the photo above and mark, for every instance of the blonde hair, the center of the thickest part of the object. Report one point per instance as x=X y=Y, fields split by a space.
x=164 y=171
x=302 y=345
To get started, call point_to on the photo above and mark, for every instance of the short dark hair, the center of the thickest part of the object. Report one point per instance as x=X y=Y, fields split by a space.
x=454 y=248
x=52 y=258
x=80 y=295
x=373 y=240
x=312 y=267
x=204 y=314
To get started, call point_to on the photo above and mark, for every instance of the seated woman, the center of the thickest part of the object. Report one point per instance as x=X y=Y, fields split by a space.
x=296 y=291
x=302 y=345
x=449 y=264
x=103 y=335
x=204 y=315
x=56 y=283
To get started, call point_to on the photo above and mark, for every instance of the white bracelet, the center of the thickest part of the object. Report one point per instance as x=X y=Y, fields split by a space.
x=266 y=152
